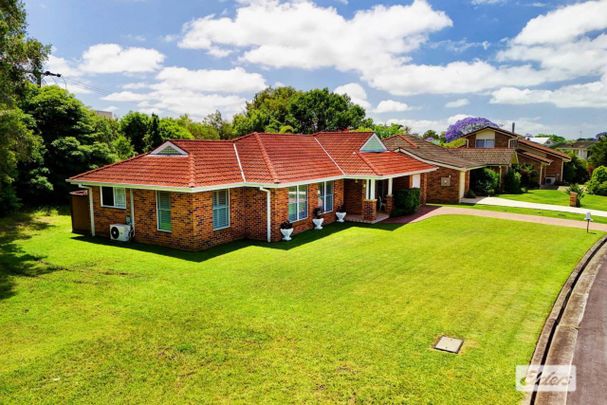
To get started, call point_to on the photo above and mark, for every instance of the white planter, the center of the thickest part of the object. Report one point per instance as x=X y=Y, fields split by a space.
x=286 y=233
x=318 y=222
x=340 y=216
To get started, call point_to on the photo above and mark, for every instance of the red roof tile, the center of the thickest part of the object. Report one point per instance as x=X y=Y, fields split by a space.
x=257 y=158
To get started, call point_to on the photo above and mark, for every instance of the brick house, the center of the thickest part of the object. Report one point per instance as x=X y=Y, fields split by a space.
x=195 y=194
x=547 y=162
x=451 y=181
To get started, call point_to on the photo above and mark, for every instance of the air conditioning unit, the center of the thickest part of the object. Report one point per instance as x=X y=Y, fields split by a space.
x=120 y=232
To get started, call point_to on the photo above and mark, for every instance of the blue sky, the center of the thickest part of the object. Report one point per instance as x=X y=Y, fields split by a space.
x=421 y=63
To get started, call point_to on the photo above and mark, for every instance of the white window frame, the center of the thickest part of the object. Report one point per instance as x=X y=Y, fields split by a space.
x=120 y=207
x=484 y=142
x=324 y=195
x=297 y=203
x=164 y=209
x=227 y=206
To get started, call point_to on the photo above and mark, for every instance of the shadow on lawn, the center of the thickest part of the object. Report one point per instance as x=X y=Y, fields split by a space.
x=200 y=256
x=14 y=262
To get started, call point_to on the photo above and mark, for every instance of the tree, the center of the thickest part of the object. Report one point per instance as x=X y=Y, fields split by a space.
x=286 y=109
x=74 y=140
x=388 y=130
x=21 y=61
x=556 y=139
x=198 y=130
x=467 y=125
x=598 y=152
x=321 y=110
x=575 y=171
x=134 y=126
x=153 y=138
x=222 y=127
x=430 y=135
x=267 y=112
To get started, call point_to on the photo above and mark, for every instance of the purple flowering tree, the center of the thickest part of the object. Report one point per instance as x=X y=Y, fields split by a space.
x=467 y=125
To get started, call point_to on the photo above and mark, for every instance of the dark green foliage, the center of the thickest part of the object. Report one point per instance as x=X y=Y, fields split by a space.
x=406 y=201
x=21 y=61
x=529 y=176
x=598 y=152
x=576 y=188
x=484 y=181
x=285 y=109
x=512 y=182
x=153 y=138
x=598 y=181
x=134 y=126
x=575 y=171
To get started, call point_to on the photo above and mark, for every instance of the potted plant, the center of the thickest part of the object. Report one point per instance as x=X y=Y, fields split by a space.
x=341 y=213
x=318 y=219
x=286 y=228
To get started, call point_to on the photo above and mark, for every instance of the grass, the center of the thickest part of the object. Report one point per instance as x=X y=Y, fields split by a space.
x=529 y=211
x=346 y=314
x=557 y=197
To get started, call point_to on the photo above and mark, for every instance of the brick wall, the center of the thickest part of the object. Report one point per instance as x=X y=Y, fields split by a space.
x=105 y=216
x=436 y=192
x=554 y=169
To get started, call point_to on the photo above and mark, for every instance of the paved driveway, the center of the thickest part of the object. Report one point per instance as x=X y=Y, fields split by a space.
x=590 y=356
x=430 y=211
x=504 y=202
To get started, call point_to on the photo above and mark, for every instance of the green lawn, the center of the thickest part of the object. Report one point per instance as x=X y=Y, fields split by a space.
x=346 y=314
x=557 y=197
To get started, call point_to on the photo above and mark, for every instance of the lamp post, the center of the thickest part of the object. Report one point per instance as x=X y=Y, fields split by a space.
x=588 y=218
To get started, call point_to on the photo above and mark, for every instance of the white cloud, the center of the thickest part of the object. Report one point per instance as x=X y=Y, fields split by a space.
x=483 y=2
x=564 y=24
x=302 y=34
x=125 y=96
x=460 y=102
x=135 y=86
x=112 y=58
x=235 y=80
x=586 y=95
x=355 y=91
x=386 y=106
x=197 y=93
x=59 y=65
x=110 y=108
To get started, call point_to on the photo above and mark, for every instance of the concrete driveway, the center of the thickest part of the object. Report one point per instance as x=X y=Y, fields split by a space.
x=504 y=202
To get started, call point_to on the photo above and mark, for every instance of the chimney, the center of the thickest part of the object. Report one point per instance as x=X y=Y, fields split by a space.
x=513 y=127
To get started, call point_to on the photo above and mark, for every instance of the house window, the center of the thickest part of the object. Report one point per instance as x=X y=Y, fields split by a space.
x=325 y=196
x=485 y=143
x=298 y=203
x=163 y=208
x=113 y=197
x=221 y=209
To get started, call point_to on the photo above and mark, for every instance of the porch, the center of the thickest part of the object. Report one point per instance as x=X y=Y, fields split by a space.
x=372 y=200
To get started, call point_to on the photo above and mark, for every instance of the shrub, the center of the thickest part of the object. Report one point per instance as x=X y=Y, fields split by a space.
x=485 y=181
x=406 y=201
x=286 y=225
x=470 y=194
x=512 y=182
x=529 y=176
x=576 y=188
x=598 y=181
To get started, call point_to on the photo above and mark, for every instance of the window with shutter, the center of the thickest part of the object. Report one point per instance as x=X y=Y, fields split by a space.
x=163 y=208
x=221 y=209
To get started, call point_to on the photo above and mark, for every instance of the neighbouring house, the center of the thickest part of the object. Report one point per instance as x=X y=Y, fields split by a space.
x=542 y=140
x=195 y=194
x=581 y=148
x=548 y=163
x=448 y=184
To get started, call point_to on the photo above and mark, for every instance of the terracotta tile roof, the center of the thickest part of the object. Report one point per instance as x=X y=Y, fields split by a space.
x=429 y=151
x=545 y=149
x=535 y=156
x=257 y=158
x=488 y=157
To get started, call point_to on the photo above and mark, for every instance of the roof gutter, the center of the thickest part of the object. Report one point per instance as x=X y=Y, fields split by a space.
x=268 y=214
